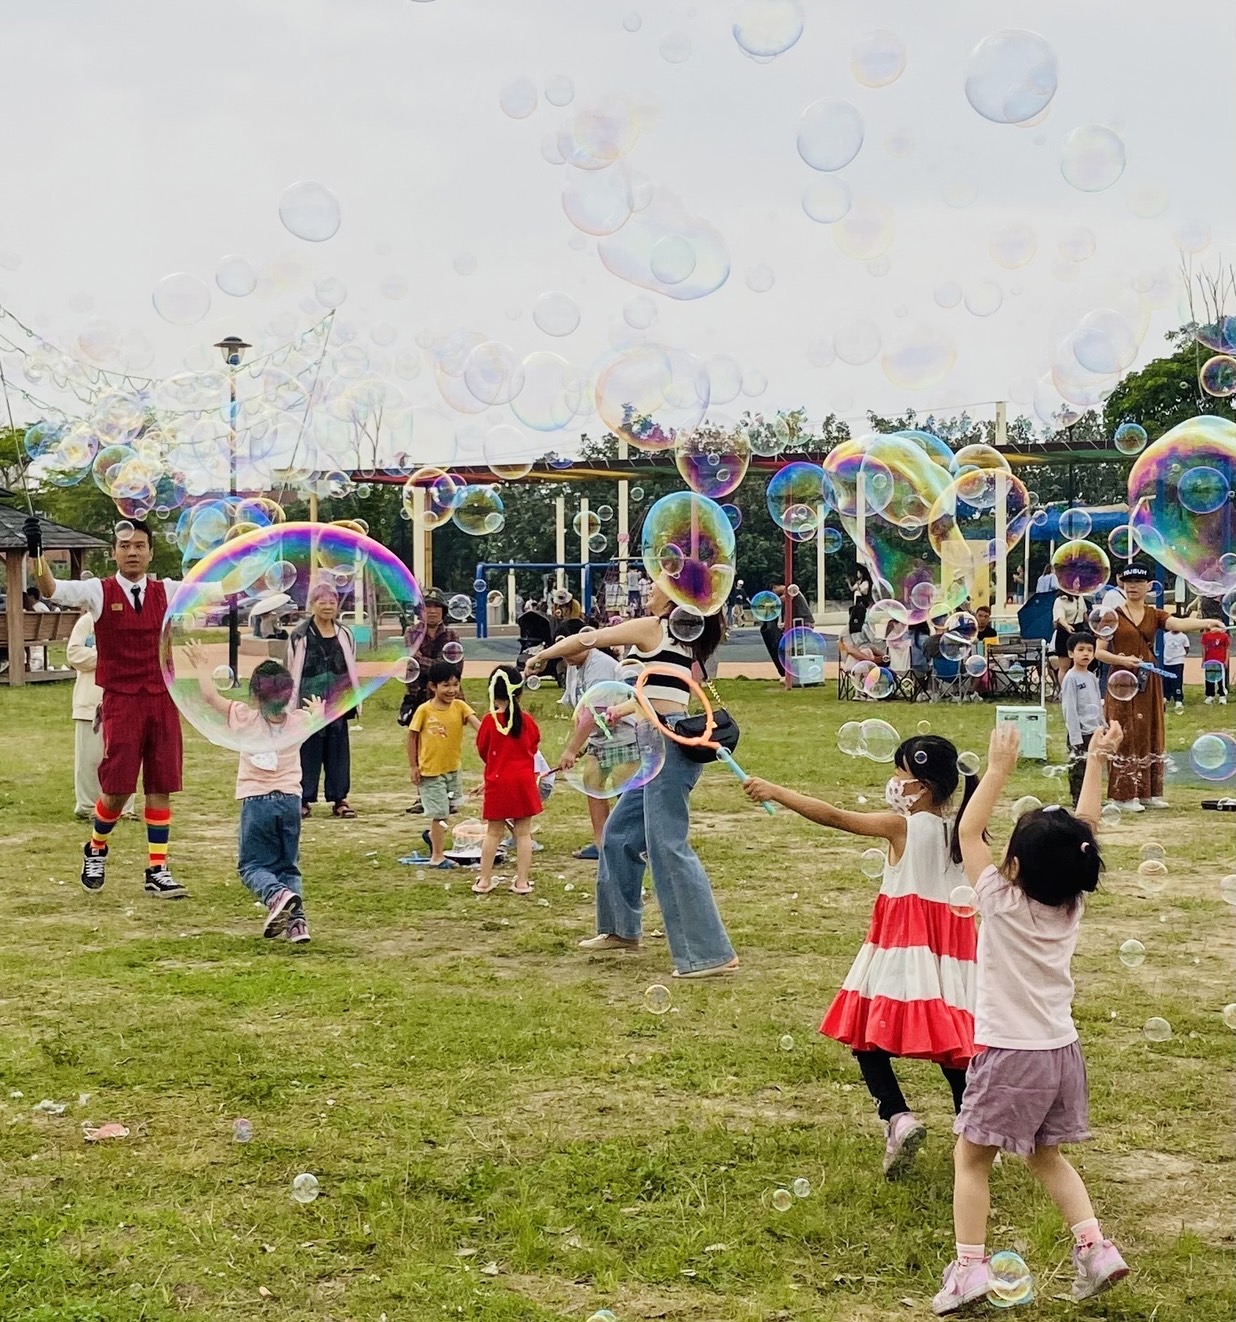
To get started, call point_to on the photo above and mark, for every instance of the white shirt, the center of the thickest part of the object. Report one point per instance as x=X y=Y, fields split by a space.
x=1113 y=599
x=1175 y=647
x=1047 y=583
x=87 y=593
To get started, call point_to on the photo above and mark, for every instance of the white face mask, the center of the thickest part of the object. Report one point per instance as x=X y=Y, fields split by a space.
x=897 y=798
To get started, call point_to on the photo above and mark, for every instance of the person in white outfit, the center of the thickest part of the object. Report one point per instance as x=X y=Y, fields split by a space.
x=87 y=740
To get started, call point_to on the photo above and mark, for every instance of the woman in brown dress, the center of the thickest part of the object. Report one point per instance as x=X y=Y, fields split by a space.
x=1135 y=778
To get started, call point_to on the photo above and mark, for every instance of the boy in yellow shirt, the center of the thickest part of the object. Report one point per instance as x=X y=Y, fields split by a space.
x=435 y=750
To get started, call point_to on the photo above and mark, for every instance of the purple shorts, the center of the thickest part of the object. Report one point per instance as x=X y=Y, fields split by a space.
x=1024 y=1100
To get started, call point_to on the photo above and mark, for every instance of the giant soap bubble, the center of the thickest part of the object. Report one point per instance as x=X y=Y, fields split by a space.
x=1163 y=486
x=379 y=603
x=650 y=393
x=688 y=550
x=622 y=752
x=1011 y=76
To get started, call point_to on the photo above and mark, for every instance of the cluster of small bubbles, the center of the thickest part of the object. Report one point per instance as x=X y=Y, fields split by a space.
x=1009 y=1280
x=963 y=901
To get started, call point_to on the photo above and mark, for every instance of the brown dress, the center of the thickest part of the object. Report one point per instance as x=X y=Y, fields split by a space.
x=1137 y=772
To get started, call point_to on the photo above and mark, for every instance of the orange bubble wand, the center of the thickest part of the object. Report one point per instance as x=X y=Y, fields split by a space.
x=705 y=740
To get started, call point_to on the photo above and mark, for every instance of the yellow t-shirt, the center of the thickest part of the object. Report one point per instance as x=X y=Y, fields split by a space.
x=441 y=736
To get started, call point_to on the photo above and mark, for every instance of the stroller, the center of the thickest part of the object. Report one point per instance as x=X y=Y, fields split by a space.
x=535 y=632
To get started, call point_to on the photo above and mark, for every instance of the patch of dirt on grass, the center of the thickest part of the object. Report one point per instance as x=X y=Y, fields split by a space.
x=1201 y=1194
x=576 y=1299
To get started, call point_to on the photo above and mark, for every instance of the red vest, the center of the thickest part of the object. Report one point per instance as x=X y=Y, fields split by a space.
x=128 y=643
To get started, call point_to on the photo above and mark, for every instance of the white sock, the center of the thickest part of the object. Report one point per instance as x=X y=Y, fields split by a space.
x=969 y=1254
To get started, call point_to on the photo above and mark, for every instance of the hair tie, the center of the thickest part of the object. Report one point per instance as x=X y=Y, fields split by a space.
x=1085 y=845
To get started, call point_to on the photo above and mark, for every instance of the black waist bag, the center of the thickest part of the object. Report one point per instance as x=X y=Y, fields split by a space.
x=725 y=733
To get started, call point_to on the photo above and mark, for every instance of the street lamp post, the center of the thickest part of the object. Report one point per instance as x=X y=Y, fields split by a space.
x=233 y=350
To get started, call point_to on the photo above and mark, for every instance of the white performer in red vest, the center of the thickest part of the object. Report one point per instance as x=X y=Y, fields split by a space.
x=141 y=725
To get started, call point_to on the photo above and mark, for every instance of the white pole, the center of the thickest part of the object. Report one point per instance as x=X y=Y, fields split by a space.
x=418 y=537
x=583 y=532
x=624 y=524
x=1002 y=425
x=1025 y=569
x=1002 y=550
x=560 y=537
x=821 y=560
x=510 y=596
x=860 y=524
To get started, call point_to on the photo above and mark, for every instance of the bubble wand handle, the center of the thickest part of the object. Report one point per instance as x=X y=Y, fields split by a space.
x=725 y=757
x=1155 y=670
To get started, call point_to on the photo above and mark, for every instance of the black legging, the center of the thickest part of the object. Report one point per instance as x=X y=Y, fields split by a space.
x=876 y=1068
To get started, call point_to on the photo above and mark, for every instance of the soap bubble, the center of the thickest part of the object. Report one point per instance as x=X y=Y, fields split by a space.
x=1217 y=376
x=871 y=863
x=872 y=680
x=1132 y=953
x=310 y=211
x=801 y=1188
x=1103 y=622
x=879 y=740
x=242 y=1130
x=1152 y=850
x=1121 y=542
x=628 y=253
x=767 y=28
x=1080 y=567
x=827 y=200
x=1203 y=489
x=850 y=742
x=765 y=607
x=223 y=678
x=1122 y=685
x=786 y=1042
x=975 y=666
x=440 y=492
x=713 y=459
x=1156 y=1029
x=181 y=299
x=689 y=533
x=878 y=58
x=1009 y=1280
x=555 y=313
x=782 y=1200
x=649 y=394
x=963 y=901
x=1027 y=803
x=803 y=652
x=518 y=98
x=1227 y=888
x=361 y=571
x=1109 y=817
x=657 y=999
x=1213 y=756
x=1130 y=438
x=479 y=511
x=798 y=496
x=1011 y=76
x=305 y=1188
x=830 y=134
x=1093 y=159
x=235 y=276
x=968 y=764
x=1152 y=868
x=685 y=624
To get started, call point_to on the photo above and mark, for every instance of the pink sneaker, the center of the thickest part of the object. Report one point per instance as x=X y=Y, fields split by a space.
x=906 y=1135
x=962 y=1286
x=1099 y=1267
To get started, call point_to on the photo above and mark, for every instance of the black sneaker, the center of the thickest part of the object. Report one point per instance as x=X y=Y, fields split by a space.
x=94 y=869
x=160 y=882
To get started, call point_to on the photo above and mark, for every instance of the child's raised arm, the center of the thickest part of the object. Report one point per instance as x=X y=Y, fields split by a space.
x=1002 y=750
x=885 y=825
x=196 y=658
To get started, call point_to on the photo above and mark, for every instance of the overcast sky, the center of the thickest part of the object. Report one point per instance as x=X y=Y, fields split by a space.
x=155 y=136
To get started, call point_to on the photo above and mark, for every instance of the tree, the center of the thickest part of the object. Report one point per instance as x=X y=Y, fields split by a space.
x=1165 y=392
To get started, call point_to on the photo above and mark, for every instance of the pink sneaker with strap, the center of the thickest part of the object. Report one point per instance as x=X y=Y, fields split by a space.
x=962 y=1286
x=905 y=1135
x=1099 y=1267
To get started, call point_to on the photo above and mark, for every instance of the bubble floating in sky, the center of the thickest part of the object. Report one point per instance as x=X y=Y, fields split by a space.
x=1011 y=76
x=235 y=276
x=518 y=98
x=688 y=548
x=826 y=200
x=713 y=459
x=1093 y=158
x=830 y=134
x=665 y=238
x=878 y=58
x=918 y=358
x=181 y=298
x=310 y=211
x=764 y=29
x=650 y=393
x=555 y=313
x=1080 y=567
x=1130 y=438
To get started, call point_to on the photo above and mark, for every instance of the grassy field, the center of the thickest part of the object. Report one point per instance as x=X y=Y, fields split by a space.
x=500 y=1127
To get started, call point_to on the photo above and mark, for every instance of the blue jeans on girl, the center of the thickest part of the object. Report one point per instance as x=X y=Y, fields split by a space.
x=655 y=822
x=270 y=844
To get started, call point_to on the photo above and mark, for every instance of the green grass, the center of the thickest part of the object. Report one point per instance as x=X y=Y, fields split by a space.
x=472 y=1090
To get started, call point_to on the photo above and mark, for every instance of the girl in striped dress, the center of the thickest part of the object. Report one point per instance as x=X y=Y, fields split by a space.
x=910 y=991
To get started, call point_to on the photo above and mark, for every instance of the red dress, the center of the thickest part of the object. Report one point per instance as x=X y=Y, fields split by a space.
x=511 y=788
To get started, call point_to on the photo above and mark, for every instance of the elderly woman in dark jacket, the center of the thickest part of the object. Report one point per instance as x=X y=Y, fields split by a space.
x=322 y=659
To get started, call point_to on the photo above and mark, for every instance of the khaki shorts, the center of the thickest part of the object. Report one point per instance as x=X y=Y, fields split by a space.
x=437 y=793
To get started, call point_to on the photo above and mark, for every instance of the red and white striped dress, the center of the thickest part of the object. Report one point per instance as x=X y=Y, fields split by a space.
x=910 y=991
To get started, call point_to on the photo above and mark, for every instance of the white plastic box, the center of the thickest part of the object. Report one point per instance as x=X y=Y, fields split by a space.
x=1032 y=722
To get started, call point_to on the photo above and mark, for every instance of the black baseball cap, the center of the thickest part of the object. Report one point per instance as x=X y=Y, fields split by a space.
x=1133 y=574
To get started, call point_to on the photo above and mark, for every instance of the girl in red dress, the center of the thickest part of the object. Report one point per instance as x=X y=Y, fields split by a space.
x=507 y=742
x=910 y=991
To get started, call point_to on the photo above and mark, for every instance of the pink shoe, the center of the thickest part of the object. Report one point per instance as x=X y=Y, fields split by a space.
x=1099 y=1267
x=962 y=1286
x=906 y=1135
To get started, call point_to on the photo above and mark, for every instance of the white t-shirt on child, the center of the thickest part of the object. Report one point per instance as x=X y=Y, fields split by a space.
x=1025 y=979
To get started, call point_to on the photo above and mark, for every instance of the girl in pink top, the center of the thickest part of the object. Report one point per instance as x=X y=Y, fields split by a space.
x=1026 y=1086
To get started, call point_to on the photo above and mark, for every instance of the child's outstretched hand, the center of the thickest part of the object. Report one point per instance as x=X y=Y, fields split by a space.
x=317 y=710
x=760 y=791
x=1003 y=748
x=193 y=654
x=1104 y=743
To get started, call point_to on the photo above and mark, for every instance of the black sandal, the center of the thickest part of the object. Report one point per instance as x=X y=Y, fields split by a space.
x=342 y=809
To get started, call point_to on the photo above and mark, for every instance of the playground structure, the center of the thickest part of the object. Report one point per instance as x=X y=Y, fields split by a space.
x=585 y=568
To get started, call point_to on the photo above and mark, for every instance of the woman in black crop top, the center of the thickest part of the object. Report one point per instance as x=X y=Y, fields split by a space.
x=653 y=823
